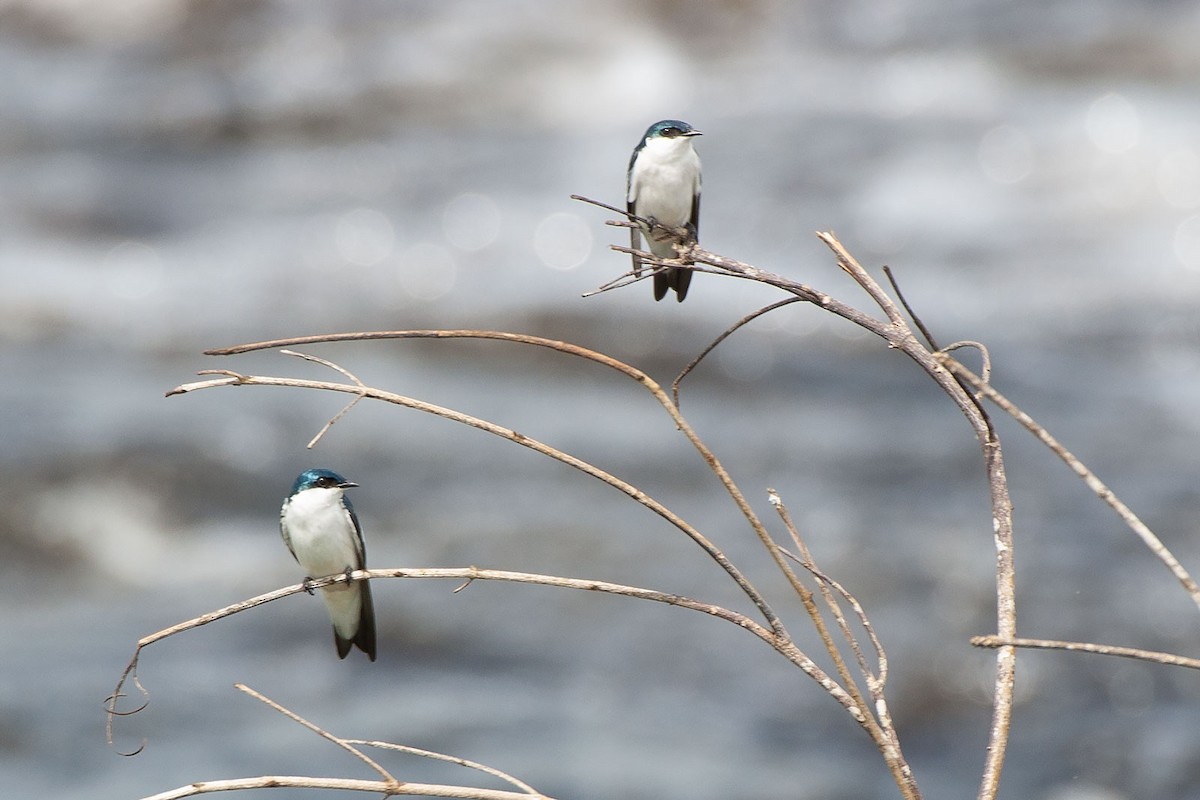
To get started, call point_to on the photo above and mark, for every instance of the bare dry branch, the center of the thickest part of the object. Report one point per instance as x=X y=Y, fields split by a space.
x=875 y=678
x=624 y=279
x=984 y=354
x=622 y=211
x=875 y=682
x=389 y=786
x=324 y=734
x=344 y=784
x=1101 y=490
x=813 y=610
x=1154 y=656
x=462 y=762
x=346 y=409
x=925 y=332
x=130 y=671
x=728 y=332
x=781 y=644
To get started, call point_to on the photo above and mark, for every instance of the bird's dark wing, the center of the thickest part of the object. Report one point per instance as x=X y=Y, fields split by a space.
x=364 y=637
x=283 y=531
x=358 y=536
x=695 y=220
x=635 y=242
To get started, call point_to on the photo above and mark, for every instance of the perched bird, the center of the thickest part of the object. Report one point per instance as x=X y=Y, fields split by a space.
x=321 y=530
x=663 y=186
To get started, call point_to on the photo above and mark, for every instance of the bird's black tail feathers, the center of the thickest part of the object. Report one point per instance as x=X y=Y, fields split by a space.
x=365 y=637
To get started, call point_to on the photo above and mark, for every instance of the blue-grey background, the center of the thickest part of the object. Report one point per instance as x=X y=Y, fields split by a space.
x=180 y=175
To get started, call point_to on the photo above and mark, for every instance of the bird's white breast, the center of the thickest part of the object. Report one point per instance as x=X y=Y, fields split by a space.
x=665 y=180
x=321 y=533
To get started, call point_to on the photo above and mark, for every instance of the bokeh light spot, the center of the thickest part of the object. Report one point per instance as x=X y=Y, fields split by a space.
x=471 y=221
x=1187 y=242
x=1006 y=154
x=1112 y=123
x=1179 y=178
x=562 y=241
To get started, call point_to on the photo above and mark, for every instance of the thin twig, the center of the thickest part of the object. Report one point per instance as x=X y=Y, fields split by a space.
x=629 y=277
x=110 y=705
x=728 y=332
x=462 y=762
x=622 y=211
x=804 y=559
x=813 y=611
x=681 y=235
x=346 y=409
x=933 y=345
x=343 y=784
x=1154 y=656
x=984 y=355
x=324 y=734
x=1098 y=487
x=130 y=671
x=879 y=679
x=876 y=683
x=911 y=313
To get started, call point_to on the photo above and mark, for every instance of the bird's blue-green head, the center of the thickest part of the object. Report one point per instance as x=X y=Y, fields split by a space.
x=670 y=135
x=320 y=479
x=670 y=129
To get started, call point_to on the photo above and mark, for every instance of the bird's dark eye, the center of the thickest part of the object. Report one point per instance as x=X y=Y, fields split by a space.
x=672 y=131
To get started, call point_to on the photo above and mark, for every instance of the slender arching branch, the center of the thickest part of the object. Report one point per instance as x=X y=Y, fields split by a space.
x=781 y=644
x=571 y=349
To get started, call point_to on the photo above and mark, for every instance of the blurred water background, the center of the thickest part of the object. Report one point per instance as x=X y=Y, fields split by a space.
x=180 y=175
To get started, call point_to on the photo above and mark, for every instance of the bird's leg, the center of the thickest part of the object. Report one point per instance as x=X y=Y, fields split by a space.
x=347 y=573
x=685 y=240
x=659 y=232
x=307 y=583
x=684 y=235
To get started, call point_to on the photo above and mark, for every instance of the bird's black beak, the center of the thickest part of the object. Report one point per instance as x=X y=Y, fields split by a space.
x=693 y=133
x=347 y=485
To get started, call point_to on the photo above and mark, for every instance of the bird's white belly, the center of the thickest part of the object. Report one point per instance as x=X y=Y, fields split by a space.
x=322 y=537
x=666 y=195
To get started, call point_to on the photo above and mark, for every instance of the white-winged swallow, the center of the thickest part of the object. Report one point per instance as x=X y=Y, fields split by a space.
x=663 y=186
x=321 y=530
